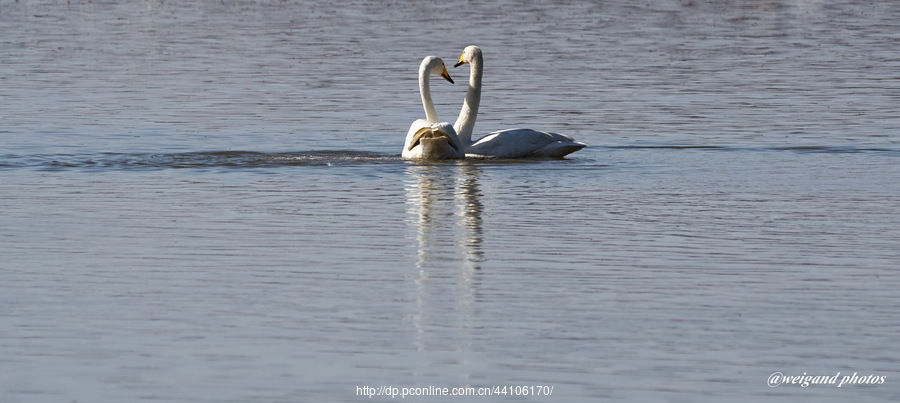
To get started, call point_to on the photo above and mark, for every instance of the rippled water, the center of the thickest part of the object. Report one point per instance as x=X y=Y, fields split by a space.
x=205 y=202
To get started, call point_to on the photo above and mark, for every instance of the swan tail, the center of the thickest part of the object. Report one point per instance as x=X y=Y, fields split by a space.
x=426 y=133
x=427 y=140
x=559 y=149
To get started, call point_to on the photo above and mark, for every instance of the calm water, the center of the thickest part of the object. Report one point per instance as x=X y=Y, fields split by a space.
x=204 y=202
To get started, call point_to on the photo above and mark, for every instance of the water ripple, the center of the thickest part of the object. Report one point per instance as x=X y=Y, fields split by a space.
x=195 y=160
x=804 y=149
x=220 y=159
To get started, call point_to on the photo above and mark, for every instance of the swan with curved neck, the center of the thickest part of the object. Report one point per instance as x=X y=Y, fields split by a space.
x=509 y=143
x=428 y=138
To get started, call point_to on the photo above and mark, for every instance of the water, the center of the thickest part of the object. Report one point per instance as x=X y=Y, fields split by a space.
x=205 y=202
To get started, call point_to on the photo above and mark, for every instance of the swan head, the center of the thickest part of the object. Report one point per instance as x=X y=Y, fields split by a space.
x=469 y=54
x=435 y=65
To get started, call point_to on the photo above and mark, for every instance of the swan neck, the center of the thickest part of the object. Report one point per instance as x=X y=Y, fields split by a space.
x=465 y=123
x=425 y=92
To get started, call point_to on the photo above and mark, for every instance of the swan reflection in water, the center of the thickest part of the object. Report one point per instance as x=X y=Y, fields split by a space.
x=444 y=212
x=445 y=209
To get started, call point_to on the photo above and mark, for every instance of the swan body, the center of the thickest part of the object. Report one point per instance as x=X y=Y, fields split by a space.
x=428 y=138
x=523 y=143
x=509 y=143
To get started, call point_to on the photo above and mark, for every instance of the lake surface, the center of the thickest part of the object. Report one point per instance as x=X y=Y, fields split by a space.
x=204 y=202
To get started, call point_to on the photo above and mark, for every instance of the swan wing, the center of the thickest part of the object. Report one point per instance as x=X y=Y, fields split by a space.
x=523 y=143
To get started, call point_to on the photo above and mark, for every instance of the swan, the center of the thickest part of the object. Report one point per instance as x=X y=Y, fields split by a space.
x=428 y=138
x=509 y=143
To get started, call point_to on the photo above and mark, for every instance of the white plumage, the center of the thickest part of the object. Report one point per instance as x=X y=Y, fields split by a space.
x=428 y=138
x=509 y=143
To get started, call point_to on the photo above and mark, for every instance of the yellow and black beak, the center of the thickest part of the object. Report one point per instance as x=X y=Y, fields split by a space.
x=446 y=75
x=461 y=60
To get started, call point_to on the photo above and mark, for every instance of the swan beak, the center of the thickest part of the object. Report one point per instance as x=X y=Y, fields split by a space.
x=461 y=61
x=446 y=75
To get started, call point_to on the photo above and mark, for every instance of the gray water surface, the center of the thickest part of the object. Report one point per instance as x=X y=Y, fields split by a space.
x=204 y=202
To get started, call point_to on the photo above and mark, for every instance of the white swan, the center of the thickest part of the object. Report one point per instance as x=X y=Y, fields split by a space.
x=509 y=143
x=427 y=138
